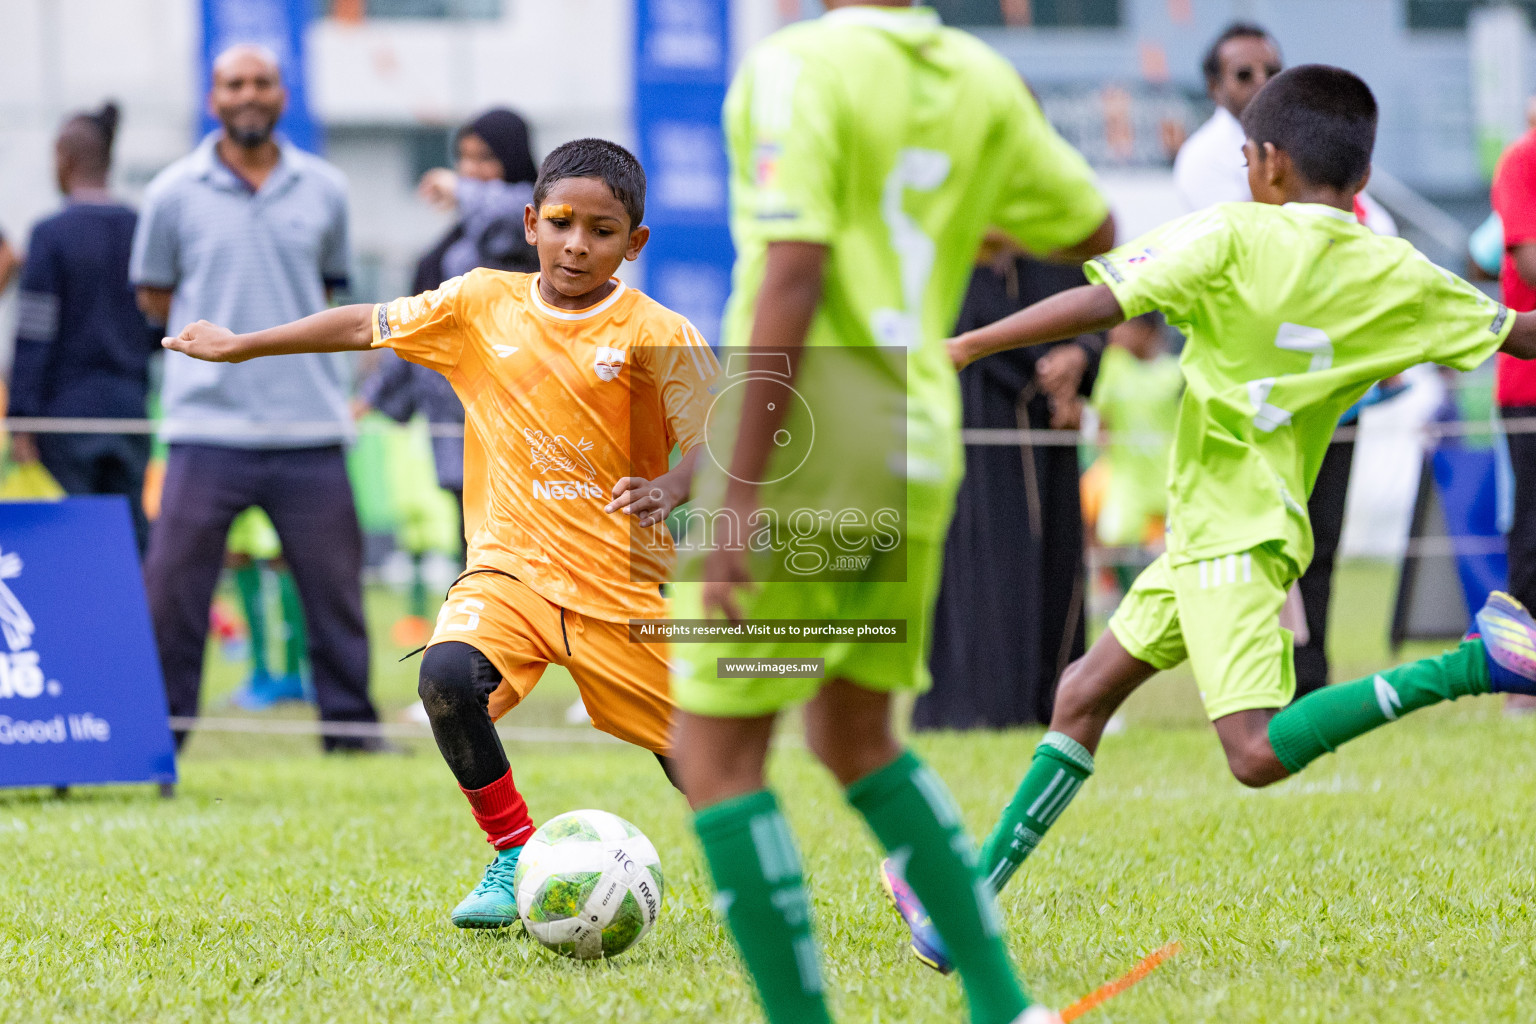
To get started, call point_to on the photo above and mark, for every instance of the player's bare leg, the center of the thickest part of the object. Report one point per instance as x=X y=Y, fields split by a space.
x=1245 y=740
x=719 y=759
x=848 y=728
x=1092 y=689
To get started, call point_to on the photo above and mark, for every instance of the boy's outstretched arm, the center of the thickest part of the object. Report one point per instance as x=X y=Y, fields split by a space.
x=1086 y=309
x=343 y=329
x=1521 y=342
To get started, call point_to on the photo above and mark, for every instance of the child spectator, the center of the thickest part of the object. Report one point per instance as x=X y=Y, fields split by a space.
x=1137 y=400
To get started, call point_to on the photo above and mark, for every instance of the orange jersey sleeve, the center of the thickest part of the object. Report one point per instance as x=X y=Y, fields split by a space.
x=684 y=371
x=431 y=328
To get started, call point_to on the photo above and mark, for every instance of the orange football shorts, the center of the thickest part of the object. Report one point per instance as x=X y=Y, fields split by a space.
x=623 y=684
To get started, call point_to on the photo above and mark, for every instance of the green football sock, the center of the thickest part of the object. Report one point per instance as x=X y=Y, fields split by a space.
x=1319 y=722
x=295 y=639
x=910 y=811
x=1060 y=767
x=418 y=602
x=253 y=603
x=756 y=867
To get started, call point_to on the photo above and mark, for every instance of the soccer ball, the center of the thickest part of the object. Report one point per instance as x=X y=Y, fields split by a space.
x=589 y=885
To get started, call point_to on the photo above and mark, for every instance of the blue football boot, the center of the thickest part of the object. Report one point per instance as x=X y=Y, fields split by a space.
x=492 y=903
x=926 y=944
x=259 y=693
x=1509 y=636
x=290 y=687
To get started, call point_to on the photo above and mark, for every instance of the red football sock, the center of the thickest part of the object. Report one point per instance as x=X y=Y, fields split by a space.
x=501 y=810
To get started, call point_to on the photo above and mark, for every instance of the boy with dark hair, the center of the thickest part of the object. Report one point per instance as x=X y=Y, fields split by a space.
x=1292 y=310
x=605 y=161
x=601 y=383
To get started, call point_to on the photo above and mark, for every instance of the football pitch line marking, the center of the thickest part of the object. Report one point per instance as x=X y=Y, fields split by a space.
x=1104 y=993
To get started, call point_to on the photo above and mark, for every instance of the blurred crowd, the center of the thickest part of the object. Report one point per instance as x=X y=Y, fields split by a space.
x=259 y=470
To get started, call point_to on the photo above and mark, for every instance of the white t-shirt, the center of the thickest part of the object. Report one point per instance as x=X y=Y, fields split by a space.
x=1210 y=167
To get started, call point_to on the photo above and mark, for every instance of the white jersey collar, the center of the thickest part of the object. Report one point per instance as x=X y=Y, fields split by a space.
x=884 y=17
x=573 y=314
x=1319 y=210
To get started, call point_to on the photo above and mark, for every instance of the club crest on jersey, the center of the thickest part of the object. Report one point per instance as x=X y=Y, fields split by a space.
x=608 y=362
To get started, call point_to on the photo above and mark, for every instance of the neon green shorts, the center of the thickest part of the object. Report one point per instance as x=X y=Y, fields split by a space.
x=1223 y=615
x=885 y=667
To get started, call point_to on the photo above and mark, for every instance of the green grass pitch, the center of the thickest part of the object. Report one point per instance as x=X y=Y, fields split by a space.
x=1393 y=882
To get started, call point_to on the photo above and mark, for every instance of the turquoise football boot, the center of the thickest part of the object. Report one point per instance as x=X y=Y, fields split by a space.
x=492 y=903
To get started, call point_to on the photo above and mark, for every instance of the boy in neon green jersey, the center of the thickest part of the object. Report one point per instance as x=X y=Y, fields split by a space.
x=869 y=149
x=1292 y=311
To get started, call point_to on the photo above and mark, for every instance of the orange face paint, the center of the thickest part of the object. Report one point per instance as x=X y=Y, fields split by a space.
x=554 y=211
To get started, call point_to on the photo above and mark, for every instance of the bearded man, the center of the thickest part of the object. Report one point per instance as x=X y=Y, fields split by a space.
x=251 y=232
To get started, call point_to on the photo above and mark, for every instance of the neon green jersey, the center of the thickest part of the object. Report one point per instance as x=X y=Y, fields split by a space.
x=895 y=142
x=1291 y=313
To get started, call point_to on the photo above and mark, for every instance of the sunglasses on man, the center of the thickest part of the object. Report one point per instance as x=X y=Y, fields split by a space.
x=1246 y=74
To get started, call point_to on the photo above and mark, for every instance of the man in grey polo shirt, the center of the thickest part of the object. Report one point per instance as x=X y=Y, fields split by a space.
x=249 y=231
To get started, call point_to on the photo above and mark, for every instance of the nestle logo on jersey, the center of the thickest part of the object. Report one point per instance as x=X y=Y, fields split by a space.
x=560 y=490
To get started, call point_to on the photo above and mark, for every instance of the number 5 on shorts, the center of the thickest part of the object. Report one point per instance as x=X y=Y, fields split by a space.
x=469 y=607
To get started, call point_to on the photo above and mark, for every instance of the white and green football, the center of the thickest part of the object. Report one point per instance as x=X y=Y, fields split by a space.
x=589 y=885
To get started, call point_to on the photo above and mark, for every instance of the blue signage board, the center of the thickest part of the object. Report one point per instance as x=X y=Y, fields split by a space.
x=682 y=70
x=1469 y=501
x=279 y=25
x=81 y=695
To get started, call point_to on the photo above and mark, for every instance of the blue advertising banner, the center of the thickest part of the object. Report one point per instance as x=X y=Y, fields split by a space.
x=1469 y=502
x=682 y=70
x=279 y=26
x=81 y=696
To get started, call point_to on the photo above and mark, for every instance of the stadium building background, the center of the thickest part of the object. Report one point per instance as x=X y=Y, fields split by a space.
x=389 y=87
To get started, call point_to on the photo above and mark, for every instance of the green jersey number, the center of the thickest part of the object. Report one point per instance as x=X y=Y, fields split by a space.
x=1292 y=338
x=920 y=170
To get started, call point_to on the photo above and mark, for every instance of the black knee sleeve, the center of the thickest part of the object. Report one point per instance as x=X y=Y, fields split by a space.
x=453 y=674
x=456 y=682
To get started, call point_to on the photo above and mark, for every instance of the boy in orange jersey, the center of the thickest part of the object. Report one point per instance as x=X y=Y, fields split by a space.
x=575 y=390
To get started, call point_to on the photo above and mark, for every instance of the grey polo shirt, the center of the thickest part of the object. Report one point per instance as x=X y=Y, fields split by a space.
x=247 y=261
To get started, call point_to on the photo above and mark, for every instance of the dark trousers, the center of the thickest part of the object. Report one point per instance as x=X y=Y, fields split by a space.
x=1522 y=531
x=1326 y=510
x=1009 y=617
x=101 y=464
x=306 y=493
